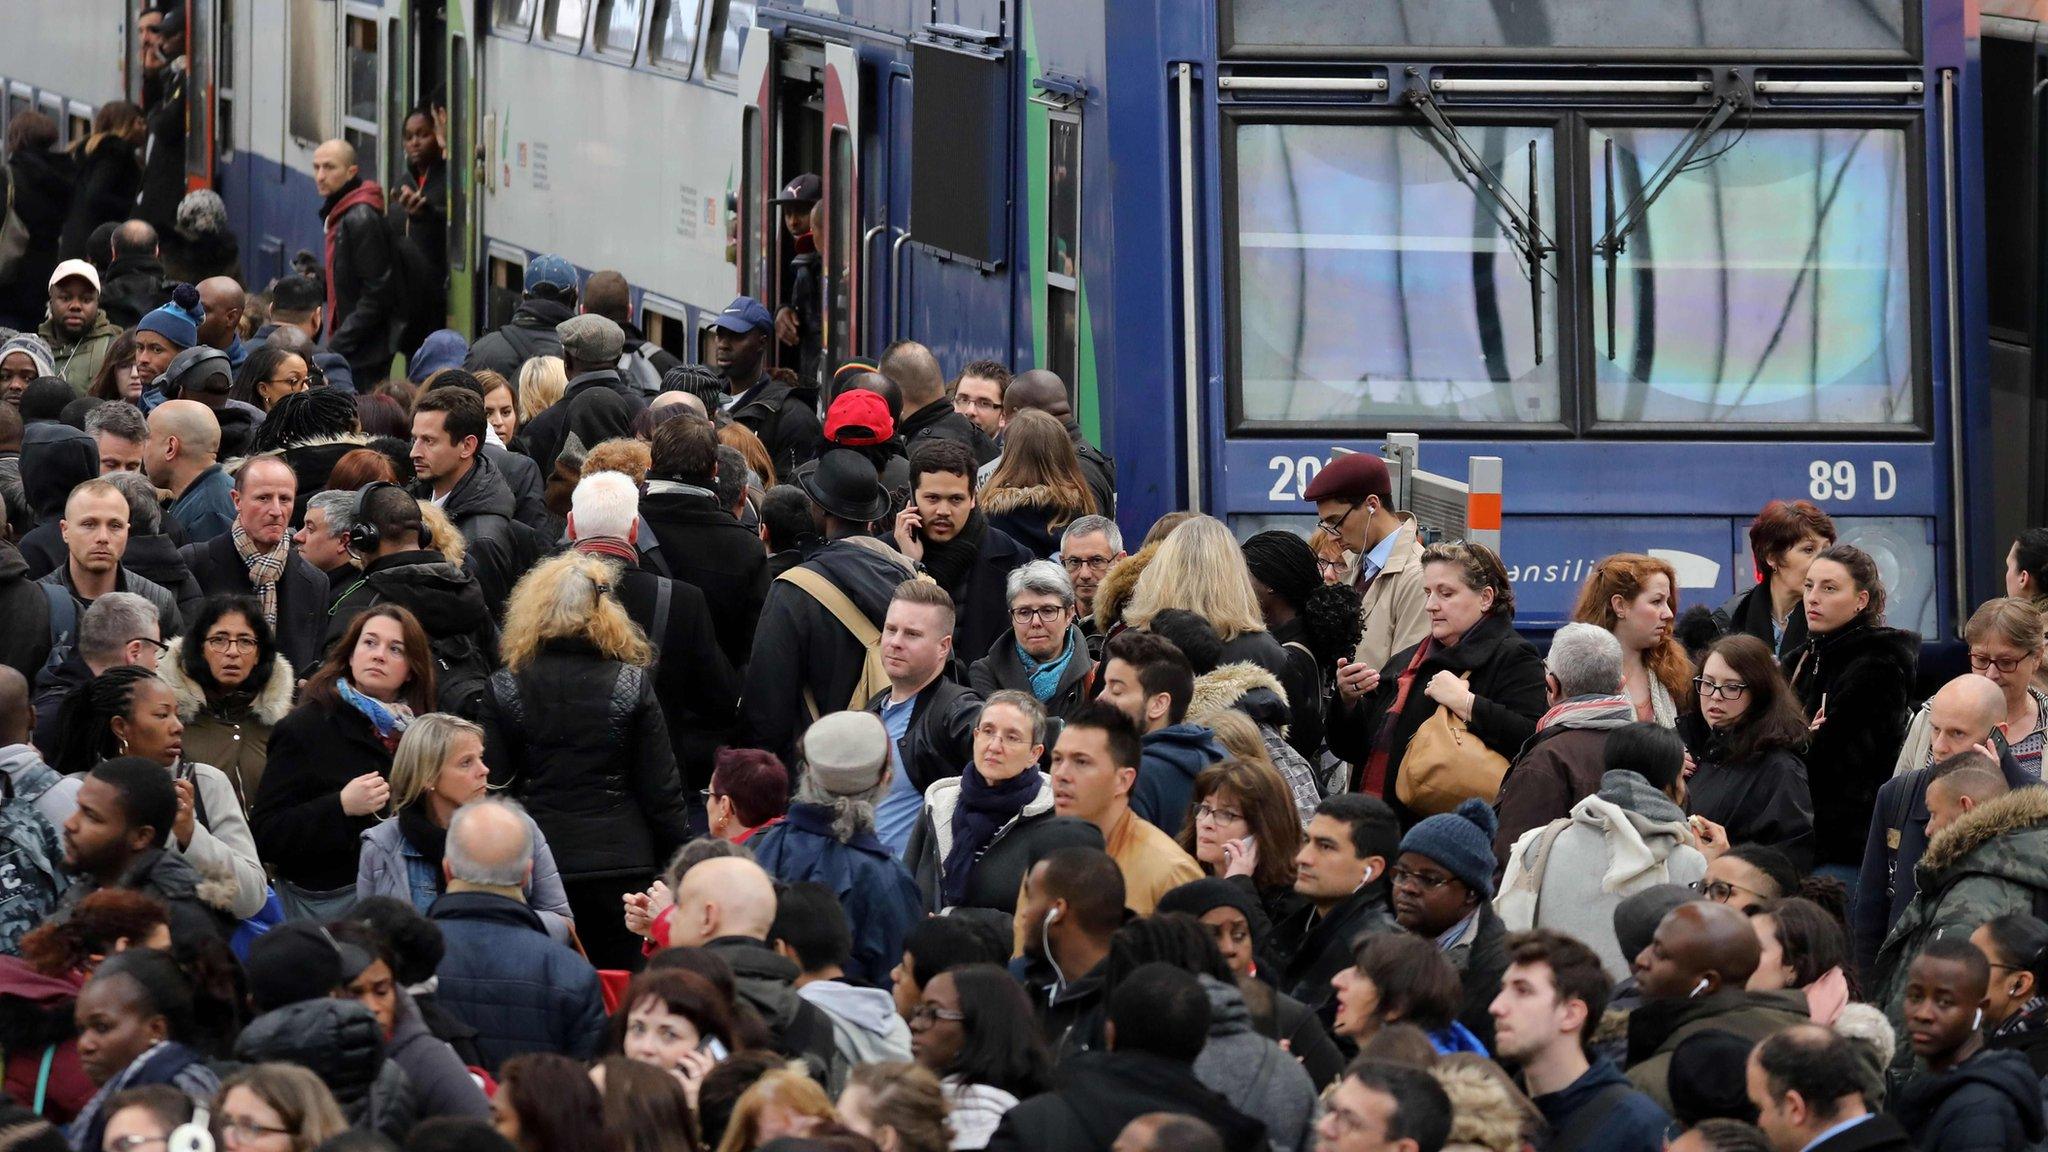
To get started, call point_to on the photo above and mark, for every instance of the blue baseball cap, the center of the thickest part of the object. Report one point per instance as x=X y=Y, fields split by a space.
x=550 y=270
x=744 y=315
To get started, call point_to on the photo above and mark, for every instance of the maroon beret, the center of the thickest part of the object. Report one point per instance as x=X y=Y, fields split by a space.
x=1352 y=476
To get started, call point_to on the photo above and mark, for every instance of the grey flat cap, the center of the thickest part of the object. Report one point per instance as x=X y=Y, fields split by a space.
x=589 y=339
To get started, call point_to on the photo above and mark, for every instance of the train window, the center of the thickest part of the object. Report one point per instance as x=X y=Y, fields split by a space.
x=730 y=20
x=1063 y=244
x=1368 y=282
x=563 y=22
x=515 y=16
x=459 y=134
x=675 y=32
x=360 y=126
x=312 y=71
x=507 y=277
x=960 y=153
x=841 y=234
x=1304 y=27
x=224 y=74
x=618 y=27
x=664 y=325
x=81 y=126
x=1770 y=283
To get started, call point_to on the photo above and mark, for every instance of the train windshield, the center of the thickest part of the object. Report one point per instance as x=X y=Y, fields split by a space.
x=1770 y=282
x=1372 y=282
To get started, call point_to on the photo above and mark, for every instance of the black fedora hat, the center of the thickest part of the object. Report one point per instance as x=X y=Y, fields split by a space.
x=844 y=483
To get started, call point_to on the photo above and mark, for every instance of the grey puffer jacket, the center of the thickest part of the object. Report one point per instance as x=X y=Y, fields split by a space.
x=1256 y=1075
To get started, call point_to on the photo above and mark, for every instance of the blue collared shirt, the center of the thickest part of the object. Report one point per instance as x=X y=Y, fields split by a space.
x=1837 y=1130
x=1372 y=562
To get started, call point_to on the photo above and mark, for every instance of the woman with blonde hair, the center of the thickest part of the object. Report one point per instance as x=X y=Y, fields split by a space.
x=898 y=1105
x=1199 y=568
x=574 y=731
x=269 y=1100
x=784 y=1102
x=1636 y=598
x=1038 y=487
x=542 y=380
x=2006 y=649
x=439 y=767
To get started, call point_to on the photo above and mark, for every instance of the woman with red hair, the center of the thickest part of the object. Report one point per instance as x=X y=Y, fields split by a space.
x=1636 y=598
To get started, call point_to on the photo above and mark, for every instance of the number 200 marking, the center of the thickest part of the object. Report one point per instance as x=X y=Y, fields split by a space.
x=1290 y=484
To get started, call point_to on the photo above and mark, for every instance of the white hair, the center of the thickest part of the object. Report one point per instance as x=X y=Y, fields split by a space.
x=1586 y=659
x=1089 y=526
x=1041 y=577
x=606 y=504
x=509 y=872
x=202 y=213
x=113 y=620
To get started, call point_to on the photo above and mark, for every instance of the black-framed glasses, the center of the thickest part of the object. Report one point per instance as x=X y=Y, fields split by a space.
x=222 y=642
x=243 y=1128
x=1208 y=811
x=1335 y=525
x=160 y=646
x=1427 y=881
x=295 y=383
x=927 y=1013
x=1729 y=690
x=2005 y=664
x=1091 y=563
x=978 y=403
x=1045 y=612
x=1329 y=567
x=1721 y=891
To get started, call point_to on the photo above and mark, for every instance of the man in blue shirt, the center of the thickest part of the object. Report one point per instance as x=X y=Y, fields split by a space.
x=930 y=719
x=182 y=455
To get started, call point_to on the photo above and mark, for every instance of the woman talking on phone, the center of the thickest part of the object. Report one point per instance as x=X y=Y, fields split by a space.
x=1241 y=824
x=676 y=1021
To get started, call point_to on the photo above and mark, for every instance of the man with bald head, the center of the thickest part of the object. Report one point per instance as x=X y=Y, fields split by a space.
x=1046 y=392
x=927 y=411
x=502 y=974
x=365 y=289
x=1967 y=713
x=222 y=301
x=1691 y=978
x=56 y=797
x=133 y=284
x=255 y=558
x=728 y=906
x=182 y=456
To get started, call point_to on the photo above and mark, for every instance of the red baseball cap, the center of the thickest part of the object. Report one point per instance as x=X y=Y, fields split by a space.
x=859 y=418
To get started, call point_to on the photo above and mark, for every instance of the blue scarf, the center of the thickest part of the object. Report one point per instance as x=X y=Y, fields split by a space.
x=984 y=809
x=390 y=720
x=1045 y=678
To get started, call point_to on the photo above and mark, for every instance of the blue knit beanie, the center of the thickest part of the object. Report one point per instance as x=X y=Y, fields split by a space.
x=1461 y=842
x=177 y=321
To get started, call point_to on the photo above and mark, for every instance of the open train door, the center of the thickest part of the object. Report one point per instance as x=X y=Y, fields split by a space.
x=202 y=54
x=842 y=241
x=757 y=159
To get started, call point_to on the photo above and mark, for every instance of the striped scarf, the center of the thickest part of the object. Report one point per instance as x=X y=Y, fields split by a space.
x=264 y=568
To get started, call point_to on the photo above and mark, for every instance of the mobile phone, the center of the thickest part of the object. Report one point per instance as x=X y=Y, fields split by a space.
x=711 y=1047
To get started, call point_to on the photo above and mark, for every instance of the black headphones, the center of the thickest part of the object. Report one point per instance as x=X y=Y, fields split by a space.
x=363 y=536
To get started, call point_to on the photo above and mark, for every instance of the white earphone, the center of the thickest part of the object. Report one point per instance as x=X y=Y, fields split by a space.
x=1978 y=1022
x=1698 y=988
x=196 y=1134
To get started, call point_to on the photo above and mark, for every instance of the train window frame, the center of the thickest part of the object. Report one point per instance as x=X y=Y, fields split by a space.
x=224 y=80
x=666 y=322
x=504 y=279
x=544 y=27
x=517 y=24
x=80 y=115
x=1062 y=289
x=311 y=72
x=52 y=105
x=599 y=47
x=711 y=40
x=661 y=61
x=1586 y=385
x=367 y=136
x=1564 y=349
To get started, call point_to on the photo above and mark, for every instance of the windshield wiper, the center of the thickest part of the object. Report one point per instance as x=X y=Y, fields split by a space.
x=1619 y=228
x=1521 y=225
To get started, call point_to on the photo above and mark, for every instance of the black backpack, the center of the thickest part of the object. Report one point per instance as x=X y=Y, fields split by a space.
x=462 y=670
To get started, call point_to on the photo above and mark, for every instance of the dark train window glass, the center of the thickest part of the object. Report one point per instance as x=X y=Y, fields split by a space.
x=960 y=150
x=2009 y=192
x=1319 y=26
x=1770 y=285
x=675 y=32
x=1371 y=284
x=840 y=238
x=459 y=135
x=750 y=201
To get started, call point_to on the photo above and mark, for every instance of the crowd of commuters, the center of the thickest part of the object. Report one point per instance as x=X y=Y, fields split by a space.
x=552 y=746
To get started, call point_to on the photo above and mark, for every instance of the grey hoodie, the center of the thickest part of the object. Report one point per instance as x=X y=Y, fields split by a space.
x=59 y=802
x=1256 y=1075
x=1622 y=839
x=865 y=1026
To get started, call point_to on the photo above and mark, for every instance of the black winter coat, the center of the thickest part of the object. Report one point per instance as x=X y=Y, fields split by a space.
x=368 y=297
x=42 y=184
x=1764 y=800
x=799 y=647
x=596 y=406
x=132 y=287
x=1988 y=1103
x=704 y=545
x=341 y=1042
x=940 y=738
x=787 y=423
x=529 y=333
x=300 y=829
x=529 y=494
x=1106 y=1090
x=981 y=599
x=1303 y=679
x=159 y=560
x=698 y=690
x=1003 y=668
x=25 y=641
x=483 y=509
x=579 y=739
x=1865 y=673
x=1312 y=949
x=998 y=874
x=109 y=180
x=163 y=169
x=938 y=421
x=202 y=257
x=301 y=597
x=1506 y=679
x=448 y=600
x=1749 y=613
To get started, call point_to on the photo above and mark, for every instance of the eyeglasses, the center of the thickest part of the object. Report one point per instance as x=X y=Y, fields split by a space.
x=1091 y=563
x=927 y=1013
x=153 y=642
x=2005 y=664
x=1329 y=567
x=1721 y=891
x=707 y=795
x=243 y=1128
x=1045 y=612
x=1208 y=811
x=1335 y=524
x=1428 y=882
x=222 y=642
x=977 y=403
x=1731 y=690
x=295 y=383
x=132 y=1142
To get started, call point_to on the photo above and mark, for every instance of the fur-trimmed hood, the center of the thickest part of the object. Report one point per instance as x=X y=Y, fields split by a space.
x=998 y=501
x=2021 y=810
x=269 y=706
x=1244 y=687
x=1118 y=585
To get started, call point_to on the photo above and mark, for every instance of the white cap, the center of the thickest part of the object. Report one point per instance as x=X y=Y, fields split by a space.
x=79 y=268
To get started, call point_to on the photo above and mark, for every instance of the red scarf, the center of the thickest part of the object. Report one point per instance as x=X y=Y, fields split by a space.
x=609 y=547
x=1372 y=778
x=365 y=193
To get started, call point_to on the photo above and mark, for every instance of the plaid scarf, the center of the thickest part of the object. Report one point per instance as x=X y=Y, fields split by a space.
x=264 y=568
